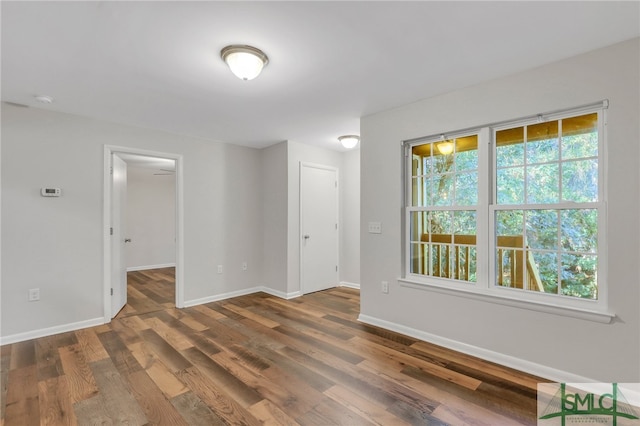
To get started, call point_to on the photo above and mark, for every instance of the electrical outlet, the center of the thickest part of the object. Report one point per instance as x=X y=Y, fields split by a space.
x=34 y=294
x=385 y=287
x=375 y=228
x=219 y=269
x=244 y=266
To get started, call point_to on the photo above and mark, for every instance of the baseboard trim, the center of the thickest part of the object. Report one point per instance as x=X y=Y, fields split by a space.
x=219 y=297
x=147 y=267
x=223 y=296
x=50 y=331
x=350 y=285
x=540 y=370
x=280 y=294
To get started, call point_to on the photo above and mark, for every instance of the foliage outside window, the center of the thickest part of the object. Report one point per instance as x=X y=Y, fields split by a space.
x=512 y=210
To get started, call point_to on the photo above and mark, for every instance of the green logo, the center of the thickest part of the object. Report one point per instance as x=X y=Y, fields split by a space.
x=586 y=407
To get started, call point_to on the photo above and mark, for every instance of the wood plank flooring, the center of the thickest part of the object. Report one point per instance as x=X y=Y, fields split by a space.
x=251 y=360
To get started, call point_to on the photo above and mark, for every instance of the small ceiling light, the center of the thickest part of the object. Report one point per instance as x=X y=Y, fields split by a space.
x=246 y=62
x=44 y=99
x=349 y=141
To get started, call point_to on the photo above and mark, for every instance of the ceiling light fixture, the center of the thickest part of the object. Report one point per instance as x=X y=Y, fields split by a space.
x=349 y=141
x=44 y=99
x=246 y=62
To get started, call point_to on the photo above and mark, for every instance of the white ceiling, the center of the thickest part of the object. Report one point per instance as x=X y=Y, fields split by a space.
x=157 y=64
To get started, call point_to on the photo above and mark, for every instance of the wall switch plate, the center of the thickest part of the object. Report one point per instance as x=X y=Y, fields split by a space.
x=385 y=287
x=34 y=294
x=219 y=269
x=375 y=228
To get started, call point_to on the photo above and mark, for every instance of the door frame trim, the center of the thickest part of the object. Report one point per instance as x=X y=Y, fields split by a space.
x=106 y=214
x=301 y=220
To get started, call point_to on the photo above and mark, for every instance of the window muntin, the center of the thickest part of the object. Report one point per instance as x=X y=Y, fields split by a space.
x=444 y=196
x=550 y=171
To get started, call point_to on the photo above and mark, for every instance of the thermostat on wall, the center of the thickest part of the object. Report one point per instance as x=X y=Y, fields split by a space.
x=50 y=192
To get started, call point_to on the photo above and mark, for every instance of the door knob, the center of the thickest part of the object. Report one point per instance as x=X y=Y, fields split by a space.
x=306 y=237
x=127 y=240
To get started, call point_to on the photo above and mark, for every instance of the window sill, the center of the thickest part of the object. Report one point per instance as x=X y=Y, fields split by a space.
x=567 y=311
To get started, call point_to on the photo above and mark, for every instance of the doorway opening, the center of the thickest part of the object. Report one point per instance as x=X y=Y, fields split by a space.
x=154 y=242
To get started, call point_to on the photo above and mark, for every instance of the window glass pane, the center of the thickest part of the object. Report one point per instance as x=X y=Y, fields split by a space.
x=579 y=275
x=510 y=147
x=580 y=180
x=510 y=245
x=543 y=184
x=421 y=159
x=579 y=230
x=542 y=229
x=440 y=260
x=416 y=166
x=472 y=264
x=464 y=223
x=440 y=253
x=418 y=225
x=421 y=191
x=542 y=272
x=509 y=223
x=466 y=156
x=443 y=163
x=467 y=189
x=419 y=258
x=580 y=136
x=445 y=172
x=542 y=142
x=440 y=223
x=464 y=255
x=443 y=190
x=509 y=268
x=510 y=185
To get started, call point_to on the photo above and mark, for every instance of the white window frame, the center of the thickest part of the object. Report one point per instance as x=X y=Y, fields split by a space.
x=485 y=288
x=480 y=209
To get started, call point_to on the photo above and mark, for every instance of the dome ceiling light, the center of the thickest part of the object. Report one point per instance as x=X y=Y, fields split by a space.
x=349 y=141
x=246 y=62
x=44 y=99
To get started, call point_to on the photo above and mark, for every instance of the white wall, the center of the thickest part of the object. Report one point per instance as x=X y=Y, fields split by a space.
x=350 y=213
x=151 y=219
x=544 y=342
x=274 y=216
x=55 y=244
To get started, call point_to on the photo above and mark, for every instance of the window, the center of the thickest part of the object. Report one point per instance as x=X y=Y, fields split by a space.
x=512 y=211
x=444 y=200
x=546 y=211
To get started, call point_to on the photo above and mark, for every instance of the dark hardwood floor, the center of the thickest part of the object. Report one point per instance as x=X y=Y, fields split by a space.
x=251 y=360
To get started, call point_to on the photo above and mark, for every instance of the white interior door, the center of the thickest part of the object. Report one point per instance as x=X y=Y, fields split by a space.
x=319 y=227
x=118 y=225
